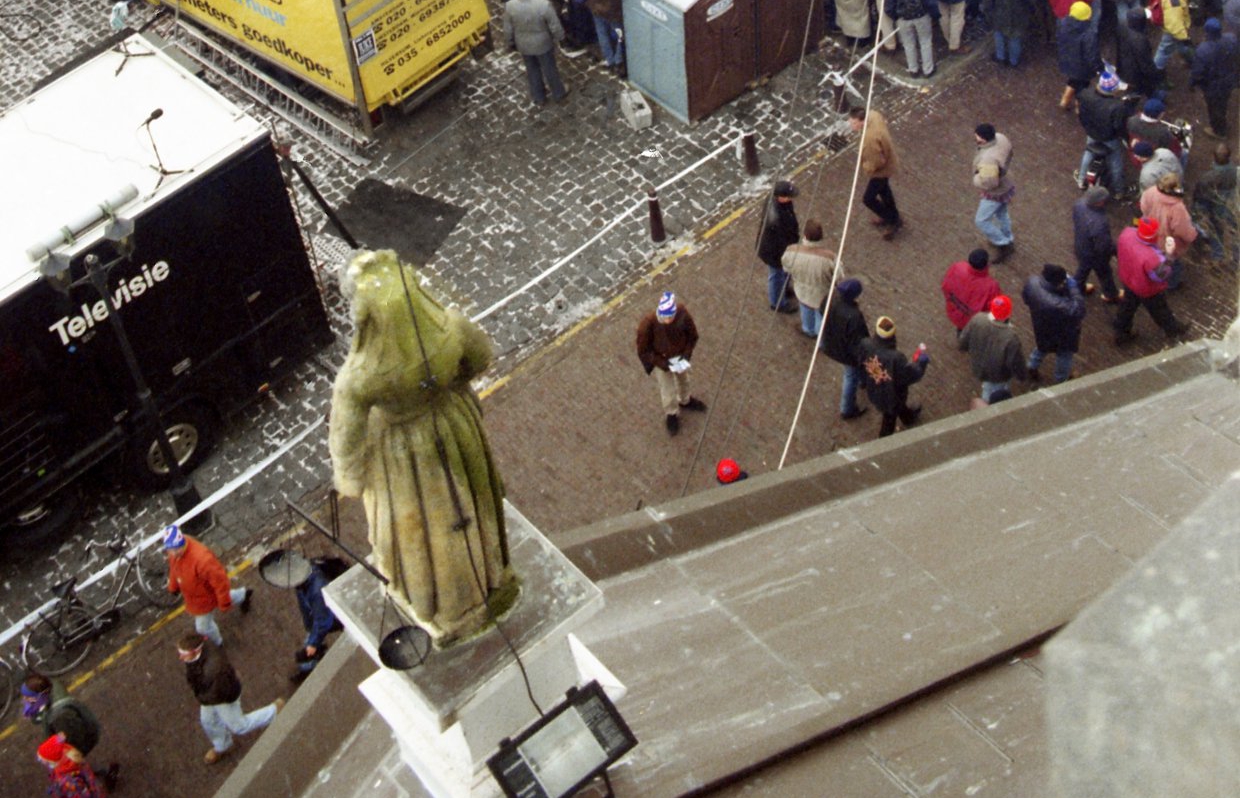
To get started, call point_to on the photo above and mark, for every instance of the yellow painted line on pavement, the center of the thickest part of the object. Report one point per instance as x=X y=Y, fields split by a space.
x=115 y=656
x=662 y=267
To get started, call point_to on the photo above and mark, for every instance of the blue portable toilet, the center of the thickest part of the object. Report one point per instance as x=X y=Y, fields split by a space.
x=692 y=56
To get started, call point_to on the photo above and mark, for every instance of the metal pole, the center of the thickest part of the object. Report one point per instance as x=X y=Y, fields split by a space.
x=749 y=147
x=336 y=541
x=657 y=233
x=184 y=494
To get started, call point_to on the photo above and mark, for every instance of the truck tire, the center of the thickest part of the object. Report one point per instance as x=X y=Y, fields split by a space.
x=47 y=520
x=191 y=431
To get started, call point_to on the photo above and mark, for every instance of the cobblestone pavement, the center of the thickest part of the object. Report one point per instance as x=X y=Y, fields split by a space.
x=535 y=186
x=580 y=419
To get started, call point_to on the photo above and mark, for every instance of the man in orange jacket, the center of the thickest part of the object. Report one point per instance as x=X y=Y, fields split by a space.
x=197 y=574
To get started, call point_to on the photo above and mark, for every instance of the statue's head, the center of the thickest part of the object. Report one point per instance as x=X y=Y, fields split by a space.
x=386 y=297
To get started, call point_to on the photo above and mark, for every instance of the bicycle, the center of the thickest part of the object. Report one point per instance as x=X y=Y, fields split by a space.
x=8 y=687
x=62 y=638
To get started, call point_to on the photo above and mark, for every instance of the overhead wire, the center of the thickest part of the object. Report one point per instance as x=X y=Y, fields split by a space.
x=839 y=255
x=813 y=194
x=770 y=199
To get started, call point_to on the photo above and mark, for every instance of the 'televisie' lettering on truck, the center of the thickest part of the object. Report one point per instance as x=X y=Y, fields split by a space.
x=70 y=328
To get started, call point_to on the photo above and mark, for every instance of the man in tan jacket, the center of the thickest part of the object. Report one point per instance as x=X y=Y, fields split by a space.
x=879 y=162
x=810 y=265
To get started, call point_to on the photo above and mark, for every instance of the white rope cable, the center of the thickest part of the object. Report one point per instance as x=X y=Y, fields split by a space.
x=839 y=255
x=555 y=267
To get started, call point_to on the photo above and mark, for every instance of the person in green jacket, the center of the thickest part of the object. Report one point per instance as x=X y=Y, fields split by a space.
x=48 y=704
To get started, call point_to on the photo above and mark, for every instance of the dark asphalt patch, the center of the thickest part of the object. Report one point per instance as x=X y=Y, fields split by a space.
x=381 y=216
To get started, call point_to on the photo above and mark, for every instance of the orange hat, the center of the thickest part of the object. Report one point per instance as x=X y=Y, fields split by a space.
x=1147 y=230
x=1001 y=308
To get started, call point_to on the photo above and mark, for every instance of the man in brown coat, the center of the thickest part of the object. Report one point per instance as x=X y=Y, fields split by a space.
x=665 y=340
x=879 y=162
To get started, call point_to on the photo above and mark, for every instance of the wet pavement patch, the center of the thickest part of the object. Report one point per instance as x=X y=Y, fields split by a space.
x=381 y=216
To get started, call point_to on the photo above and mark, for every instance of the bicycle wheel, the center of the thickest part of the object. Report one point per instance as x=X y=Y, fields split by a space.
x=53 y=648
x=8 y=688
x=152 y=567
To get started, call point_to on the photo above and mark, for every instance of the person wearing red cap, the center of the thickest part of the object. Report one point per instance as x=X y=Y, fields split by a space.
x=1164 y=203
x=1143 y=269
x=68 y=773
x=995 y=351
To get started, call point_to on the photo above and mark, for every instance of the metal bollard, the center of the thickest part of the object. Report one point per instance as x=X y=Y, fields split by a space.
x=749 y=148
x=657 y=234
x=840 y=96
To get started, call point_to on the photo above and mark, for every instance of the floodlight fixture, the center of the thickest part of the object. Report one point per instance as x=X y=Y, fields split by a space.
x=572 y=744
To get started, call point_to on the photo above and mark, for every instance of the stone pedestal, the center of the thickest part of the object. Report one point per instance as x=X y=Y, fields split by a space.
x=450 y=713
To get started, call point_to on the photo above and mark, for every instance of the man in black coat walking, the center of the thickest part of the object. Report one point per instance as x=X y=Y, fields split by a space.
x=1135 y=57
x=887 y=376
x=845 y=330
x=1057 y=309
x=1215 y=73
x=1105 y=119
x=218 y=690
x=780 y=230
x=1093 y=243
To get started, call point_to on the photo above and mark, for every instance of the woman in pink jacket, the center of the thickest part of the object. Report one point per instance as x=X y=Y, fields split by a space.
x=1164 y=201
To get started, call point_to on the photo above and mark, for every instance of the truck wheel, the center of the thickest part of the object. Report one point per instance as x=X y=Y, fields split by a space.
x=191 y=431
x=46 y=520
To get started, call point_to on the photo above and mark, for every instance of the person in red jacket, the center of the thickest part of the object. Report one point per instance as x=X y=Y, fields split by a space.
x=1143 y=269
x=69 y=775
x=197 y=574
x=968 y=288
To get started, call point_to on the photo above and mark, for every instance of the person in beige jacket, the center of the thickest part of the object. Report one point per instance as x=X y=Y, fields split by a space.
x=810 y=265
x=879 y=162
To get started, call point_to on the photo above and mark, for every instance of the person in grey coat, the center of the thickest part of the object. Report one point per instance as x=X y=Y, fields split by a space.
x=532 y=28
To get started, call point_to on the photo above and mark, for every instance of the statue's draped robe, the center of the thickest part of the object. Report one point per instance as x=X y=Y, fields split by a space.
x=385 y=424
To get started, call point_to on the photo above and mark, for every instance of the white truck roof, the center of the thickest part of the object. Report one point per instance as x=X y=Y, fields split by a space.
x=81 y=140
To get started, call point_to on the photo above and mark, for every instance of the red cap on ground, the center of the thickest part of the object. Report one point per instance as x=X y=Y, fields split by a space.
x=1001 y=307
x=727 y=471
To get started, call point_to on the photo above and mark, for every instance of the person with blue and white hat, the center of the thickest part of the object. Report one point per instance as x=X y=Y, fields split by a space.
x=665 y=340
x=197 y=574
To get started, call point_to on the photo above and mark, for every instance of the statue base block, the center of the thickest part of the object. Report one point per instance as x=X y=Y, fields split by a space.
x=450 y=713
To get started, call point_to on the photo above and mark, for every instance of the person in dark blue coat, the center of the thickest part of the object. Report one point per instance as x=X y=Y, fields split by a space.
x=1057 y=309
x=1214 y=72
x=1093 y=243
x=316 y=617
x=1134 y=60
x=1077 y=48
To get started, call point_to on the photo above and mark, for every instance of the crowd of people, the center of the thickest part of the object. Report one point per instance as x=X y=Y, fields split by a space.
x=70 y=730
x=1123 y=112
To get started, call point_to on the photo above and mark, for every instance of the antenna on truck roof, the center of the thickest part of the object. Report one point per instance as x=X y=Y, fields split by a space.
x=159 y=161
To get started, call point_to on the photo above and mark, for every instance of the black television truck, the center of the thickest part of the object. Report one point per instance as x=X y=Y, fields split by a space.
x=213 y=284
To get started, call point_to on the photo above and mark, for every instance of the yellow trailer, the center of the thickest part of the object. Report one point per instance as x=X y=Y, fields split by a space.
x=366 y=53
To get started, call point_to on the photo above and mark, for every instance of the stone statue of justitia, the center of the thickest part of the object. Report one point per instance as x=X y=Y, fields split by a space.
x=407 y=438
